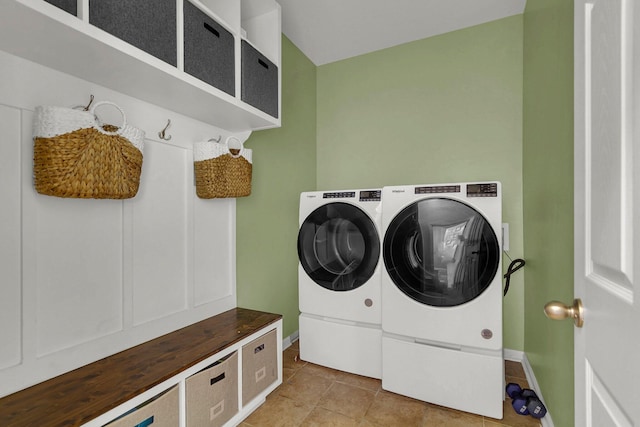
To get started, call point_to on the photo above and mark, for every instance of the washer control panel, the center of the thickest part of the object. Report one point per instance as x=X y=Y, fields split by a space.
x=482 y=190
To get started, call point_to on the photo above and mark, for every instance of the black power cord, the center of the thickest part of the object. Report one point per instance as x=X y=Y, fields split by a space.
x=515 y=265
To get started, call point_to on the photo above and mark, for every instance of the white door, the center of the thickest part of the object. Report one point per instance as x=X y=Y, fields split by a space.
x=607 y=211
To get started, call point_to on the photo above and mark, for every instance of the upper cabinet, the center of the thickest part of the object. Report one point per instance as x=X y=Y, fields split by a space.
x=217 y=61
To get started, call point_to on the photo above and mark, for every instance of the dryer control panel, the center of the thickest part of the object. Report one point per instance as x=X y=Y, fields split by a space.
x=482 y=190
x=339 y=195
x=363 y=195
x=370 y=195
x=437 y=189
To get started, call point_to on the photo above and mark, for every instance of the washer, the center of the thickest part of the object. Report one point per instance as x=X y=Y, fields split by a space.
x=339 y=253
x=442 y=294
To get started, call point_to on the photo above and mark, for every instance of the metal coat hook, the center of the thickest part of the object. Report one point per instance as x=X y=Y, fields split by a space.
x=83 y=108
x=162 y=135
x=215 y=140
x=89 y=104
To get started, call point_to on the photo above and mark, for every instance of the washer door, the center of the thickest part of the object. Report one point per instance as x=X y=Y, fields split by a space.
x=441 y=252
x=338 y=246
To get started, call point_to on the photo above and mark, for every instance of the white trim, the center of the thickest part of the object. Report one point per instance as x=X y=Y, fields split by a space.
x=519 y=356
x=513 y=355
x=287 y=341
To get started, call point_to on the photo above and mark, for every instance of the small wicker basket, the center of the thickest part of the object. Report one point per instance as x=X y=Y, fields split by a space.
x=75 y=155
x=222 y=172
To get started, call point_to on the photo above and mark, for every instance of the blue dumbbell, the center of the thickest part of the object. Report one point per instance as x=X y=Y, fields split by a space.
x=525 y=402
x=535 y=406
x=519 y=403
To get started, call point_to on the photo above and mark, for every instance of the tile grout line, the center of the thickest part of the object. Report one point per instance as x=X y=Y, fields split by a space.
x=340 y=379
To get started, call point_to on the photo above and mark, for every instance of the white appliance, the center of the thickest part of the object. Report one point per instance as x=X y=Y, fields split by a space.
x=339 y=270
x=442 y=295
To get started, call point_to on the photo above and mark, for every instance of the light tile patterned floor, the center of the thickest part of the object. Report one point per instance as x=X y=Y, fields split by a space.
x=313 y=395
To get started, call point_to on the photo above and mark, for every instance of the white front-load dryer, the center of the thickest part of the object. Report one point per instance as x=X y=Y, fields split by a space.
x=442 y=294
x=339 y=253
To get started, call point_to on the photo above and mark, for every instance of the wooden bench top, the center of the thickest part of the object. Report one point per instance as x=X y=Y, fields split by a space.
x=78 y=396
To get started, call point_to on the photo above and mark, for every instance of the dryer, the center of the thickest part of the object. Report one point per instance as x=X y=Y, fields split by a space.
x=442 y=293
x=339 y=253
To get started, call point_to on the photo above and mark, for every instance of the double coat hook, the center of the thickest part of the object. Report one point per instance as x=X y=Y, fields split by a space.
x=162 y=133
x=89 y=104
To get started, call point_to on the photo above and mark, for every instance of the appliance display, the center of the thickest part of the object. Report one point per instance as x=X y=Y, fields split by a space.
x=339 y=253
x=442 y=295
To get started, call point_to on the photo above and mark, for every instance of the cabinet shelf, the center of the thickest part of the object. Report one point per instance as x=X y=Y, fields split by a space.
x=42 y=33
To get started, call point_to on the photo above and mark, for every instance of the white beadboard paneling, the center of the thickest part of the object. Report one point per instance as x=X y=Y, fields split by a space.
x=161 y=244
x=10 y=246
x=213 y=275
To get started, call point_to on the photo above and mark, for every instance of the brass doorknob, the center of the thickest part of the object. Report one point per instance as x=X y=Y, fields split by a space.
x=558 y=311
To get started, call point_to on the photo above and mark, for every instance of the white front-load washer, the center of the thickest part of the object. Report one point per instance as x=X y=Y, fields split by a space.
x=442 y=294
x=339 y=253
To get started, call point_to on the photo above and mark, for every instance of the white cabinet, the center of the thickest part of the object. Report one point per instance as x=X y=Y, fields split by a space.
x=220 y=369
x=46 y=34
x=247 y=360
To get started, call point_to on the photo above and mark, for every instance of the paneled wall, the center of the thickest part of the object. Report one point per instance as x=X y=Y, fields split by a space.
x=82 y=279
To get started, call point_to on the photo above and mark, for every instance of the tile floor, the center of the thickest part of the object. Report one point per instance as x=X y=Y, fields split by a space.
x=313 y=395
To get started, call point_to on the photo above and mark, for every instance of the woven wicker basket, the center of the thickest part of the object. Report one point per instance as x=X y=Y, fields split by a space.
x=76 y=156
x=222 y=172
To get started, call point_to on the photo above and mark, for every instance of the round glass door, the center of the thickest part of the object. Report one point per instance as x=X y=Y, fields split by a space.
x=441 y=252
x=338 y=246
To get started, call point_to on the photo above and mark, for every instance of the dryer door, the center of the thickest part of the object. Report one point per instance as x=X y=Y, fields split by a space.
x=441 y=252
x=338 y=246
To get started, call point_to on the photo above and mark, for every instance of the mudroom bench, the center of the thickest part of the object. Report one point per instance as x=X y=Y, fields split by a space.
x=216 y=371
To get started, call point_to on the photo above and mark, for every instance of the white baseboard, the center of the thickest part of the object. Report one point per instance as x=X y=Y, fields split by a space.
x=287 y=341
x=513 y=355
x=519 y=356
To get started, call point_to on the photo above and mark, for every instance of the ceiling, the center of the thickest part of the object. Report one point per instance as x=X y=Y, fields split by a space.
x=330 y=30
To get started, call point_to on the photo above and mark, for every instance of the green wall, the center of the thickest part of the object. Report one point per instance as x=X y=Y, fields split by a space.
x=488 y=102
x=267 y=221
x=548 y=197
x=442 y=109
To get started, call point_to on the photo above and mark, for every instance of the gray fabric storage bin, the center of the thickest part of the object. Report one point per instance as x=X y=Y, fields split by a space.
x=150 y=26
x=208 y=50
x=70 y=6
x=259 y=80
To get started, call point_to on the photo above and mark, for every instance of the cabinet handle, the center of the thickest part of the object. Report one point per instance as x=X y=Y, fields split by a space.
x=258 y=349
x=213 y=30
x=264 y=64
x=146 y=422
x=217 y=379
